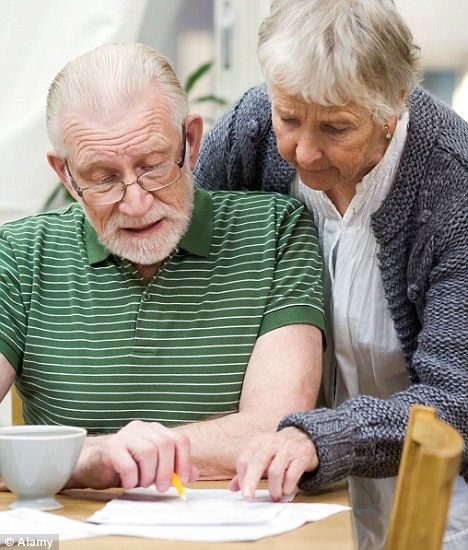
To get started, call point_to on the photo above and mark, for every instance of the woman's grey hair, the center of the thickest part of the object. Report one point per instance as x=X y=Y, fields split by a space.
x=110 y=77
x=336 y=52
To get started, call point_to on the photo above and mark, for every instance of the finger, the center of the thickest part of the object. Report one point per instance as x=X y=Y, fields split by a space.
x=251 y=480
x=234 y=484
x=244 y=459
x=276 y=475
x=247 y=459
x=182 y=461
x=166 y=463
x=291 y=478
x=156 y=456
x=142 y=441
x=136 y=453
x=173 y=456
x=255 y=461
x=250 y=470
x=116 y=458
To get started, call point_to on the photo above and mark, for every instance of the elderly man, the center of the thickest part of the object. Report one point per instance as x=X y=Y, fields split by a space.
x=172 y=323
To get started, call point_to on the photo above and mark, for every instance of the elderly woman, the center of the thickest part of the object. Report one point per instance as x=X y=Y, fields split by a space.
x=383 y=166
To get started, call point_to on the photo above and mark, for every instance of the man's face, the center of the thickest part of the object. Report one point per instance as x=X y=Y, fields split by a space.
x=143 y=227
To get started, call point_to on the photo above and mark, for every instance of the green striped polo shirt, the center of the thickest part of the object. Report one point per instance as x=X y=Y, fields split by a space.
x=96 y=346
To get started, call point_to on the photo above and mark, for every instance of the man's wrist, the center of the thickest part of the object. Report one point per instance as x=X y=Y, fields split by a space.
x=77 y=479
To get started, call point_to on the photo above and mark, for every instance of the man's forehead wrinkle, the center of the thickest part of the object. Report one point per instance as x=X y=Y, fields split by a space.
x=118 y=139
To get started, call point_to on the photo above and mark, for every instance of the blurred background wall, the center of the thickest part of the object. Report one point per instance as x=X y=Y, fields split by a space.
x=37 y=37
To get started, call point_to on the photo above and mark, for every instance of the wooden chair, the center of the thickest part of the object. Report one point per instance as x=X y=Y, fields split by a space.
x=429 y=464
x=16 y=404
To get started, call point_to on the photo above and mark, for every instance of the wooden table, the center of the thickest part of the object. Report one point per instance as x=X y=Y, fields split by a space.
x=333 y=533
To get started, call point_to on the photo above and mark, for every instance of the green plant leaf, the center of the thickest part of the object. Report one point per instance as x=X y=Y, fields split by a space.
x=211 y=98
x=195 y=76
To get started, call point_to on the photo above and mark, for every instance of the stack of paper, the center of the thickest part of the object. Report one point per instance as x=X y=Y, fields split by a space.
x=15 y=524
x=206 y=515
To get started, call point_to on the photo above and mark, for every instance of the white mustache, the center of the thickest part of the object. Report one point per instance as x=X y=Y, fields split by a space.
x=129 y=222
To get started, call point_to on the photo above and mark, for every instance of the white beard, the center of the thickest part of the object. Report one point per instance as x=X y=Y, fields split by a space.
x=155 y=248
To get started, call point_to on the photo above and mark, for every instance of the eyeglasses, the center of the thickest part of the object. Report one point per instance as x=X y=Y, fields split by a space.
x=162 y=176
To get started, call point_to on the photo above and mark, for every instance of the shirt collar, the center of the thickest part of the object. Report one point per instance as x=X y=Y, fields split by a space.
x=197 y=240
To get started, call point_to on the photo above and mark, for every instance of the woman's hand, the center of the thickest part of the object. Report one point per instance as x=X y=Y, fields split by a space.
x=281 y=456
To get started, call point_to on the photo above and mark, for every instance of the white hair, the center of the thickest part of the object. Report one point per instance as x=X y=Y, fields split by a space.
x=110 y=77
x=336 y=52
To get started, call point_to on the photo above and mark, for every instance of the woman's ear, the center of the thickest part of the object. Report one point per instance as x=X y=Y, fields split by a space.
x=194 y=130
x=58 y=165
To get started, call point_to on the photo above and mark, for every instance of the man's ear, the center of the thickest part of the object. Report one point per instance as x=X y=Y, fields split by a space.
x=194 y=129
x=58 y=165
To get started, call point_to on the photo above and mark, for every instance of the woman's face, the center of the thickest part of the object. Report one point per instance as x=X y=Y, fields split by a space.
x=330 y=147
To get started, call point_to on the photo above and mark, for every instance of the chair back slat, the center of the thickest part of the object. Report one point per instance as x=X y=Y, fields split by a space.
x=430 y=462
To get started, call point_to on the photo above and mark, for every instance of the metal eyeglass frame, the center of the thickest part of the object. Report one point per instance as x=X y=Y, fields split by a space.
x=80 y=190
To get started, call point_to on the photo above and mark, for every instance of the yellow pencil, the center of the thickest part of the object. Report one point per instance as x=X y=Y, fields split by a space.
x=178 y=485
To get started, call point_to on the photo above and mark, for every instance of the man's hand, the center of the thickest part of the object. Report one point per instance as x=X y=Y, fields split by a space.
x=282 y=457
x=139 y=455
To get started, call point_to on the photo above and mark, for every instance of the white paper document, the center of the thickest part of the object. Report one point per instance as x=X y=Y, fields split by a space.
x=14 y=524
x=217 y=515
x=202 y=507
x=206 y=515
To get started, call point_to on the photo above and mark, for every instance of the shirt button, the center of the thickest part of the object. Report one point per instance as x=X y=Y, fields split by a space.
x=146 y=297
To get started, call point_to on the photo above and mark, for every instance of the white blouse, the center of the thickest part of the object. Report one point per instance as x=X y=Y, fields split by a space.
x=363 y=354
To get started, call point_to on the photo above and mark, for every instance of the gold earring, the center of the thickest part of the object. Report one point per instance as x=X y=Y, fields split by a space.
x=388 y=135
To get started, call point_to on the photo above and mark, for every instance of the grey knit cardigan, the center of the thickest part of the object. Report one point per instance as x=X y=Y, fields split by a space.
x=422 y=234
